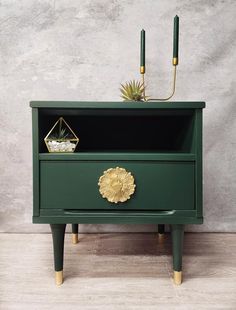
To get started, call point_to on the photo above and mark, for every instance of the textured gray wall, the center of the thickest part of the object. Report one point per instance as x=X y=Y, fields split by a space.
x=83 y=50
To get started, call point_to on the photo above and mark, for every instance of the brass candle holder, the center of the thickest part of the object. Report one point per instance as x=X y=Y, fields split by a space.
x=174 y=60
x=142 y=72
x=135 y=90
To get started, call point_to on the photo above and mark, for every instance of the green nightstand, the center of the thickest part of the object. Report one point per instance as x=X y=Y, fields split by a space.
x=136 y=163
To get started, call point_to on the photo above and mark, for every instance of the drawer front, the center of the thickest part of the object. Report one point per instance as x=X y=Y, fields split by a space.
x=159 y=185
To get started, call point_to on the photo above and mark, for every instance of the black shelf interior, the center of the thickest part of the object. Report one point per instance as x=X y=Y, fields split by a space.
x=127 y=130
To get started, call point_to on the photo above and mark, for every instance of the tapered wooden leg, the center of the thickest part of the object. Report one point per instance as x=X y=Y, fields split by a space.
x=177 y=233
x=161 y=231
x=58 y=236
x=75 y=230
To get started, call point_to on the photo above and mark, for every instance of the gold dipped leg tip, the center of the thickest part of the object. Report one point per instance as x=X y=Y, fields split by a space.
x=59 y=277
x=75 y=238
x=161 y=236
x=177 y=277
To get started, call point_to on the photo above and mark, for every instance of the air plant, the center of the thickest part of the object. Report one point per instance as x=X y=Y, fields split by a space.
x=133 y=91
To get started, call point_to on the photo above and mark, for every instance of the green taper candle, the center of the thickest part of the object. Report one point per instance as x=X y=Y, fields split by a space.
x=142 y=52
x=176 y=38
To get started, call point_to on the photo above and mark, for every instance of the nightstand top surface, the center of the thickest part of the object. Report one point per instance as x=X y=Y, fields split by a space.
x=118 y=104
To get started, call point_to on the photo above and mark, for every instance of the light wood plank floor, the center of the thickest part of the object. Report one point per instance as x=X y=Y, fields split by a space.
x=118 y=271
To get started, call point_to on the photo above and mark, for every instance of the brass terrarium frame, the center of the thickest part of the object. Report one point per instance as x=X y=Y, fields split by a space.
x=48 y=139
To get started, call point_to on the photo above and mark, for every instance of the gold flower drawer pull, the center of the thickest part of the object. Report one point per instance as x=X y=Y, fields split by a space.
x=116 y=185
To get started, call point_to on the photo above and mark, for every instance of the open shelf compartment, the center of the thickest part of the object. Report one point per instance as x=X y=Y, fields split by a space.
x=154 y=131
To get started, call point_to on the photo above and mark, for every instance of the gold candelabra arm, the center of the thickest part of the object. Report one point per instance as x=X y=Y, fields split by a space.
x=142 y=72
x=143 y=82
x=175 y=63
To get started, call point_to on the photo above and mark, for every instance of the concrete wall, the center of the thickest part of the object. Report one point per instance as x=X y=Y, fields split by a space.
x=83 y=50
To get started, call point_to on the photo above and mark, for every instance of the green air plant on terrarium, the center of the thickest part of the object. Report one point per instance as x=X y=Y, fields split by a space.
x=60 y=135
x=61 y=138
x=132 y=91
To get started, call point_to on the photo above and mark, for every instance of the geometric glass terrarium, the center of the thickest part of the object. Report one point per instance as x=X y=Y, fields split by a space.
x=61 y=138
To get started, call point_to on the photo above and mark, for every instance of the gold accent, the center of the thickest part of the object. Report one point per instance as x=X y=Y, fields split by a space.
x=75 y=238
x=59 y=277
x=142 y=69
x=161 y=239
x=173 y=89
x=116 y=185
x=161 y=236
x=143 y=81
x=175 y=61
x=177 y=277
x=47 y=138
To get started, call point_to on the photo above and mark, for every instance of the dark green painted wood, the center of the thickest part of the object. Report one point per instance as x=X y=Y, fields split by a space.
x=123 y=157
x=58 y=235
x=159 y=185
x=117 y=212
x=75 y=228
x=186 y=138
x=54 y=113
x=140 y=156
x=116 y=219
x=35 y=144
x=118 y=104
x=160 y=143
x=161 y=229
x=125 y=217
x=177 y=233
x=198 y=167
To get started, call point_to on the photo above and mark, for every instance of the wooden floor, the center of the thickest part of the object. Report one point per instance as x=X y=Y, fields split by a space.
x=118 y=271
